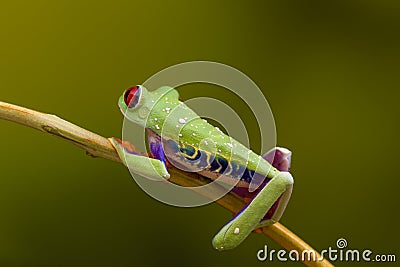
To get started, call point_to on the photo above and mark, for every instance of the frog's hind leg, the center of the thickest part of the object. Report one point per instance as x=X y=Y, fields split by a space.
x=266 y=206
x=236 y=230
x=275 y=213
x=279 y=158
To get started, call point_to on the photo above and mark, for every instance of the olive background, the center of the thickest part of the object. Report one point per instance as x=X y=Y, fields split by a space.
x=329 y=70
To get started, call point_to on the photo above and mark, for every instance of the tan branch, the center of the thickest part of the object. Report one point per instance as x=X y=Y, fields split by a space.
x=98 y=146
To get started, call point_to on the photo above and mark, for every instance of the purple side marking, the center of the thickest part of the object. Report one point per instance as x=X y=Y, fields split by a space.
x=156 y=149
x=156 y=146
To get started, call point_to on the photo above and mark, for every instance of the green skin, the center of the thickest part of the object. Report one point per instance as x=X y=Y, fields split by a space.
x=161 y=112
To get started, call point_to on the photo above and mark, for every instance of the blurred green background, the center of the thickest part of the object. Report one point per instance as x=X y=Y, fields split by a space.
x=329 y=69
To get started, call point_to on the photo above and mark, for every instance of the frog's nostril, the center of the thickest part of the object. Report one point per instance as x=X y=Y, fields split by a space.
x=131 y=96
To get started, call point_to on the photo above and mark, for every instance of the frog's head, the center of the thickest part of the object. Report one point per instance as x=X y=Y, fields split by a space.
x=136 y=103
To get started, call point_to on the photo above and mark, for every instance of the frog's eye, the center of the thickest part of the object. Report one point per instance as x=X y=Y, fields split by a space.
x=132 y=96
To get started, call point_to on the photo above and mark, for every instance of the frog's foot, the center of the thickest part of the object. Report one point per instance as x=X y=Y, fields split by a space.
x=167 y=163
x=258 y=230
x=247 y=200
x=128 y=146
x=141 y=164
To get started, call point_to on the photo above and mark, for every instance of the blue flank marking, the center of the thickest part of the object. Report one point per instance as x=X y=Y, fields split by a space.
x=219 y=164
x=247 y=175
x=214 y=165
x=173 y=145
x=190 y=152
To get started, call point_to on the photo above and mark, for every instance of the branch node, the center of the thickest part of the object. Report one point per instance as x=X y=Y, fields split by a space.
x=51 y=130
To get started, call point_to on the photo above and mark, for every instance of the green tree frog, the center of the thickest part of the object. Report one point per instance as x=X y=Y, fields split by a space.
x=178 y=135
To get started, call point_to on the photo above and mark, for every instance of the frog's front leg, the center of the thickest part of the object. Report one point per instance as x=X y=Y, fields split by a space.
x=142 y=165
x=236 y=230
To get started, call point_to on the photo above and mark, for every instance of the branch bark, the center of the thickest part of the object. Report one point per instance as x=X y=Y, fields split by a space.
x=98 y=146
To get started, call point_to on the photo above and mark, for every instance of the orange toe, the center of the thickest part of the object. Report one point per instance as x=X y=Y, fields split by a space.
x=247 y=200
x=258 y=231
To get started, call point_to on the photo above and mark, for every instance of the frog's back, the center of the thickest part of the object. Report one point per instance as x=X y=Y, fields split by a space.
x=191 y=143
x=204 y=148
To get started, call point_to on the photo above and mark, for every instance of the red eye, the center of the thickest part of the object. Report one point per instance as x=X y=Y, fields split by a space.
x=132 y=96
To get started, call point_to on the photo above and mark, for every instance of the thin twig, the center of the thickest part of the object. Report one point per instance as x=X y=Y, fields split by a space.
x=98 y=146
